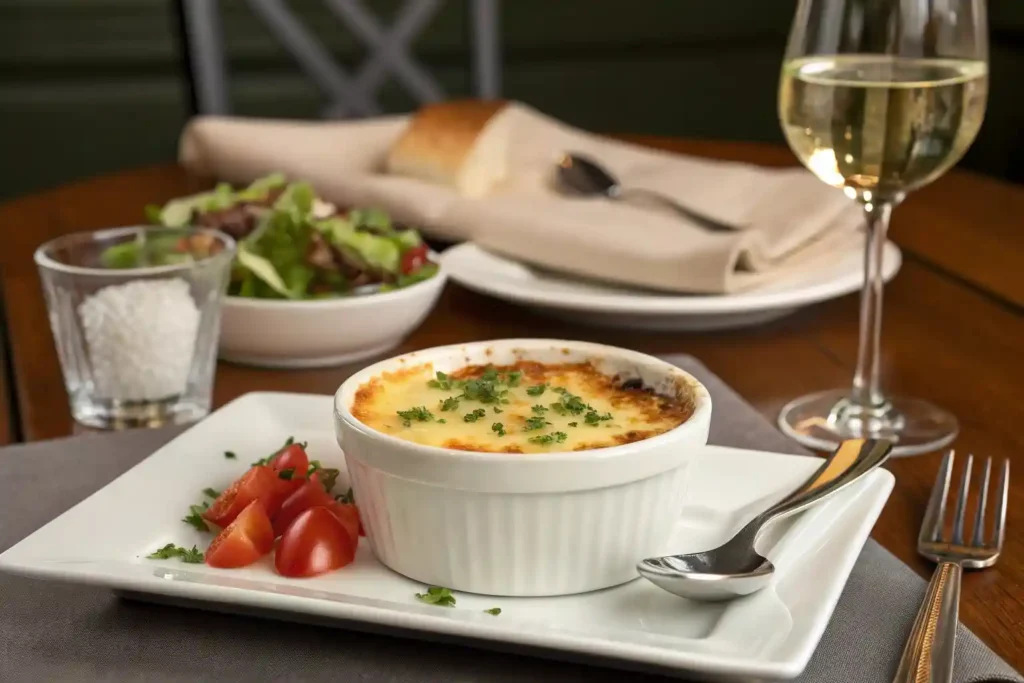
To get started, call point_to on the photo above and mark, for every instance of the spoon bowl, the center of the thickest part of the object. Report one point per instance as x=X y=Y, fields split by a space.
x=736 y=568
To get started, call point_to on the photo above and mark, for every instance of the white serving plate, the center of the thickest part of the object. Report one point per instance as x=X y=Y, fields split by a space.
x=613 y=306
x=771 y=634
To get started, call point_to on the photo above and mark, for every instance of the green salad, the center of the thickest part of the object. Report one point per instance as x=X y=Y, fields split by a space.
x=291 y=244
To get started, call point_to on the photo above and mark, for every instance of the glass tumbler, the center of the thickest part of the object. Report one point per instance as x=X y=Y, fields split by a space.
x=135 y=314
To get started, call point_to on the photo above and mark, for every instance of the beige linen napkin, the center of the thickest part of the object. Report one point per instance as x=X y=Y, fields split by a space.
x=784 y=220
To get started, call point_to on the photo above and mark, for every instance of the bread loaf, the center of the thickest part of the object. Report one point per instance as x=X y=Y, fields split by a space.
x=439 y=146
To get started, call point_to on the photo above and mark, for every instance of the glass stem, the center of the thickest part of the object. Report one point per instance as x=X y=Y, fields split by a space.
x=867 y=392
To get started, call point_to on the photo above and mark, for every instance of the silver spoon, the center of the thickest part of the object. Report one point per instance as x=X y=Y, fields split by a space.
x=584 y=176
x=735 y=568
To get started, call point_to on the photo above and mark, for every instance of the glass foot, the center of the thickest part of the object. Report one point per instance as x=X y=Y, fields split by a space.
x=822 y=420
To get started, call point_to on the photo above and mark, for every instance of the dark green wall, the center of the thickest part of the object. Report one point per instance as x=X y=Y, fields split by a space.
x=88 y=86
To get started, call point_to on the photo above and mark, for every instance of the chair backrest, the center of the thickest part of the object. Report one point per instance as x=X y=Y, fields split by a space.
x=348 y=94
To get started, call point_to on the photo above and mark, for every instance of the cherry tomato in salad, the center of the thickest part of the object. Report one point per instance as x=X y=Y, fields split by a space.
x=413 y=259
x=292 y=457
x=309 y=494
x=260 y=483
x=316 y=542
x=245 y=540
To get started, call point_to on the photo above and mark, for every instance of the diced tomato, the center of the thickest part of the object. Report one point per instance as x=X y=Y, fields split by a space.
x=414 y=258
x=316 y=542
x=259 y=483
x=292 y=457
x=310 y=494
x=348 y=514
x=248 y=538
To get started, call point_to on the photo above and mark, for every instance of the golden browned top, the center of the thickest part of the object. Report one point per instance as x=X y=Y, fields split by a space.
x=528 y=407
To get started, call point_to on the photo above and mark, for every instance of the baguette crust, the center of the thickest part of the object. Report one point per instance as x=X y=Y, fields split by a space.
x=438 y=141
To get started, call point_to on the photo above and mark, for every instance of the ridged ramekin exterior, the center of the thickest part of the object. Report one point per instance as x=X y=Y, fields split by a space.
x=517 y=544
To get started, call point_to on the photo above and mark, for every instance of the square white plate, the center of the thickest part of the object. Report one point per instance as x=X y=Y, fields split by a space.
x=771 y=634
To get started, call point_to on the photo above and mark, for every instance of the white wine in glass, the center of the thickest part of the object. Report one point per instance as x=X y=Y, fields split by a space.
x=879 y=98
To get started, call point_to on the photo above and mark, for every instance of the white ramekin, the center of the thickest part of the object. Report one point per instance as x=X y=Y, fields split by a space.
x=515 y=524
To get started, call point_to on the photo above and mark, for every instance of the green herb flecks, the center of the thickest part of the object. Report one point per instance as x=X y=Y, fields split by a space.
x=474 y=416
x=498 y=410
x=435 y=595
x=194 y=518
x=442 y=421
x=513 y=378
x=266 y=460
x=211 y=493
x=450 y=403
x=593 y=418
x=498 y=429
x=494 y=611
x=548 y=439
x=417 y=414
x=539 y=409
x=193 y=556
x=535 y=423
x=536 y=389
x=230 y=455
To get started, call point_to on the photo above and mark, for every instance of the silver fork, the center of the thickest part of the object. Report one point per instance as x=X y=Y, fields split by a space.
x=928 y=655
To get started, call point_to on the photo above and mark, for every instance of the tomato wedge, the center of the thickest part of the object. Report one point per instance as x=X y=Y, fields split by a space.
x=310 y=494
x=248 y=538
x=316 y=542
x=292 y=457
x=348 y=515
x=259 y=483
x=413 y=259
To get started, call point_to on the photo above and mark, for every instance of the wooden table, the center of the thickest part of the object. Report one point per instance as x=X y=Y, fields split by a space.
x=953 y=333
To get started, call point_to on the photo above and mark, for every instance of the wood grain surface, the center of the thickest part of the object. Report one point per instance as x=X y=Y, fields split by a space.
x=954 y=323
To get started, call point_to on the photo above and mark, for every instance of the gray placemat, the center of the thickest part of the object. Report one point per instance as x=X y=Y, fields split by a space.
x=59 y=632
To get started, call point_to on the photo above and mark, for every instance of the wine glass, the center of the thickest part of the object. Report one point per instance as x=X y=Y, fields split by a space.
x=879 y=98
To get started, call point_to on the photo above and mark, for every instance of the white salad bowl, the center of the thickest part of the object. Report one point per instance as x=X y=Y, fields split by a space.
x=322 y=332
x=522 y=524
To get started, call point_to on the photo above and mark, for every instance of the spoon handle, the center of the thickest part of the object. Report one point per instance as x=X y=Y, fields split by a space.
x=658 y=198
x=851 y=460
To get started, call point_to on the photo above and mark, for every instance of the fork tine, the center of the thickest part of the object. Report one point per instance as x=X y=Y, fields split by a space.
x=978 y=537
x=999 y=530
x=931 y=526
x=961 y=503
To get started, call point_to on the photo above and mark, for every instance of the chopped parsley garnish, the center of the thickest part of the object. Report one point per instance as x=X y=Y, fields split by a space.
x=419 y=414
x=498 y=429
x=560 y=390
x=435 y=595
x=211 y=493
x=536 y=389
x=573 y=404
x=490 y=375
x=513 y=378
x=548 y=439
x=535 y=423
x=498 y=410
x=450 y=403
x=494 y=611
x=442 y=382
x=230 y=455
x=539 y=409
x=592 y=418
x=193 y=556
x=287 y=474
x=194 y=518
x=574 y=424
x=558 y=408
x=442 y=421
x=474 y=416
x=482 y=390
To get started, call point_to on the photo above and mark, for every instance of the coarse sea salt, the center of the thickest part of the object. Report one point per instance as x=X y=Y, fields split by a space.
x=140 y=337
